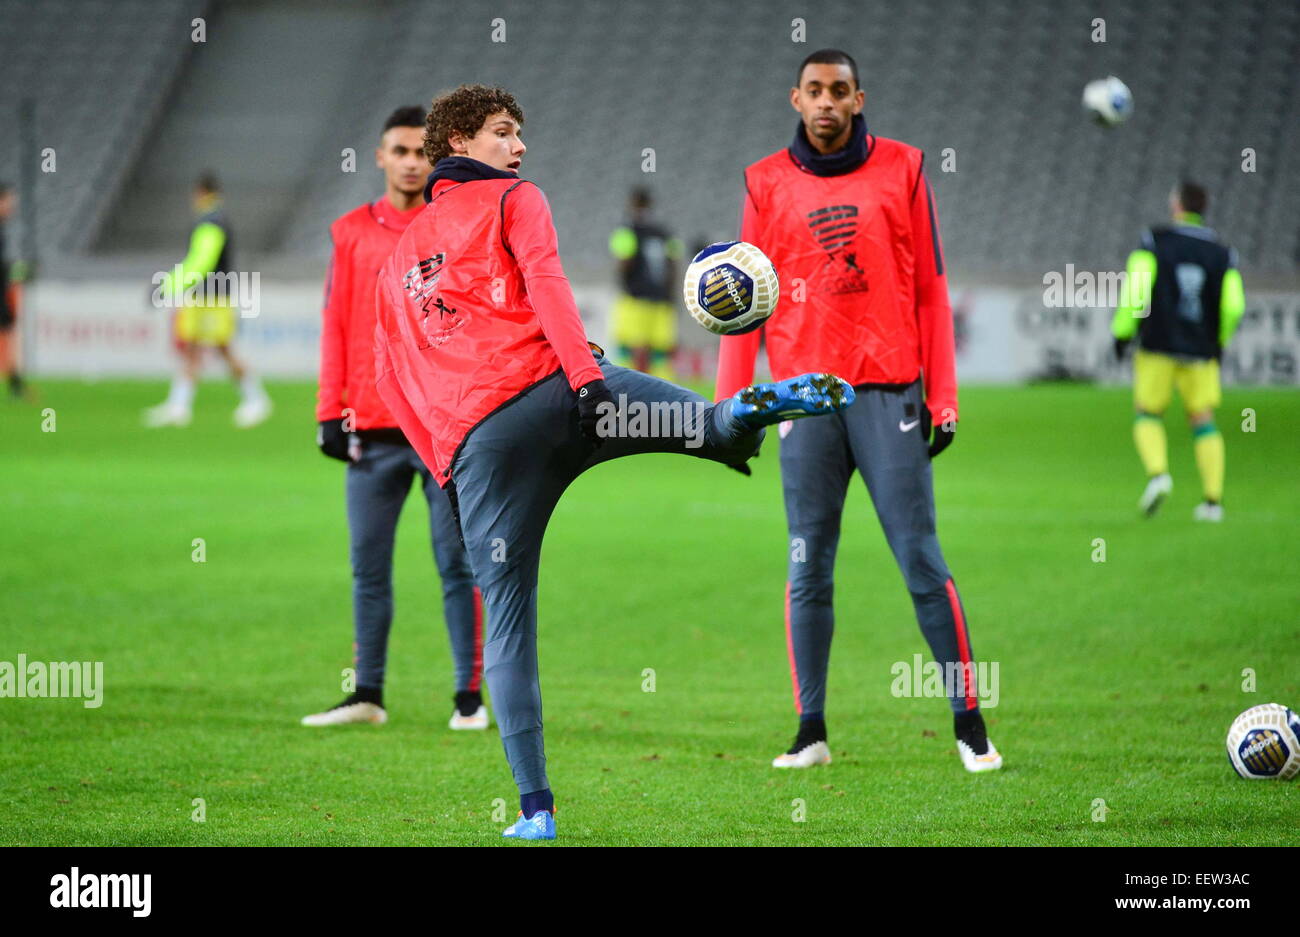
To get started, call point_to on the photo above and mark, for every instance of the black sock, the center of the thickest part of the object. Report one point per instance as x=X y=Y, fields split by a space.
x=368 y=694
x=969 y=728
x=537 y=800
x=467 y=701
x=812 y=728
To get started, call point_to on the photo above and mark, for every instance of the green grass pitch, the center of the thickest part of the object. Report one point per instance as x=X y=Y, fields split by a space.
x=1118 y=679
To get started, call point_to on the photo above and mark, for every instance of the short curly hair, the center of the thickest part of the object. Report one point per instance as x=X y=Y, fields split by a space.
x=464 y=111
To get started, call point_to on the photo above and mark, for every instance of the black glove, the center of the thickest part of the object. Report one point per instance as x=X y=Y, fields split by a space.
x=1121 y=346
x=332 y=440
x=944 y=433
x=590 y=396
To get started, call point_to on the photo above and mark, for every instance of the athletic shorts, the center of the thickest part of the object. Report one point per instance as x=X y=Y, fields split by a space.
x=1155 y=375
x=210 y=326
x=644 y=323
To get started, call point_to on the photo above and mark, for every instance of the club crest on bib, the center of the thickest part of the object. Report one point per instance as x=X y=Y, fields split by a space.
x=420 y=283
x=836 y=227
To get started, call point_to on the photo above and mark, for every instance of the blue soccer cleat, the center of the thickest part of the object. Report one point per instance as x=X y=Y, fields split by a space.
x=805 y=395
x=541 y=826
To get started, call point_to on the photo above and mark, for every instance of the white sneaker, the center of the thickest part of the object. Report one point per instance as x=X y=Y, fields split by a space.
x=1156 y=491
x=815 y=753
x=252 y=411
x=167 y=414
x=477 y=721
x=989 y=761
x=1205 y=511
x=347 y=712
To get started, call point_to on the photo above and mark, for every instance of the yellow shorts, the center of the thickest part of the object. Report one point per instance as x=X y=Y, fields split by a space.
x=1156 y=374
x=211 y=326
x=644 y=323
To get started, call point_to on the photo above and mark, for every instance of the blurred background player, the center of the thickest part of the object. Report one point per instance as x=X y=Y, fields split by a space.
x=1182 y=298
x=852 y=214
x=356 y=427
x=9 y=346
x=645 y=312
x=206 y=319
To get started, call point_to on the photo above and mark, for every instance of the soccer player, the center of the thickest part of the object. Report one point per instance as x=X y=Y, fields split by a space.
x=1183 y=299
x=206 y=319
x=8 y=308
x=355 y=427
x=852 y=216
x=482 y=358
x=645 y=316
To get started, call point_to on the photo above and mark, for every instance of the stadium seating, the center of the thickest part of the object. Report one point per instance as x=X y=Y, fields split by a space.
x=94 y=102
x=998 y=84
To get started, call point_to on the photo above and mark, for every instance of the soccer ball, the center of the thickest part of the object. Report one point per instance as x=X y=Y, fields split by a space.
x=1108 y=100
x=730 y=288
x=1264 y=742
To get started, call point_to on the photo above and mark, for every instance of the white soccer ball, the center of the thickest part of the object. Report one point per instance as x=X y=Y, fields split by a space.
x=730 y=288
x=1264 y=742
x=1108 y=100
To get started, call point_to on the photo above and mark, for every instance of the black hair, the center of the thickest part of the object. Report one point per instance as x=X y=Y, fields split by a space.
x=410 y=116
x=640 y=197
x=1192 y=196
x=829 y=57
x=207 y=182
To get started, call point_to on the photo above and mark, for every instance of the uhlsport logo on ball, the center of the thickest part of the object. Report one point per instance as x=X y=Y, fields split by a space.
x=1264 y=742
x=730 y=288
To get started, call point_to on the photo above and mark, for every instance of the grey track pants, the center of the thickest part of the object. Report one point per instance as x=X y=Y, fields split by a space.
x=880 y=437
x=377 y=487
x=508 y=477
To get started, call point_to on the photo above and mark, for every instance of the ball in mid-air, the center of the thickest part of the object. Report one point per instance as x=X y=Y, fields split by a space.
x=731 y=287
x=1264 y=742
x=1108 y=100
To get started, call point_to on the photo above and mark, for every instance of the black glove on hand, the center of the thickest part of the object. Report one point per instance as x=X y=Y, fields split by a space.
x=590 y=396
x=332 y=440
x=943 y=433
x=1121 y=346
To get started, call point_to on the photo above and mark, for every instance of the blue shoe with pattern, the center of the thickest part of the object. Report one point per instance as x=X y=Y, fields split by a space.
x=541 y=826
x=805 y=395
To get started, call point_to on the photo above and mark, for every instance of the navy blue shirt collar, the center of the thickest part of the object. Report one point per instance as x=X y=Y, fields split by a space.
x=463 y=169
x=847 y=159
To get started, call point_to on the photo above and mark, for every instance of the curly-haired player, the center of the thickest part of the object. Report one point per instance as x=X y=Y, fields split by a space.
x=482 y=357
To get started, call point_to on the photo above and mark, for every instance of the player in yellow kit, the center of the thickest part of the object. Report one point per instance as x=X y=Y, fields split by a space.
x=204 y=317
x=645 y=314
x=1182 y=299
